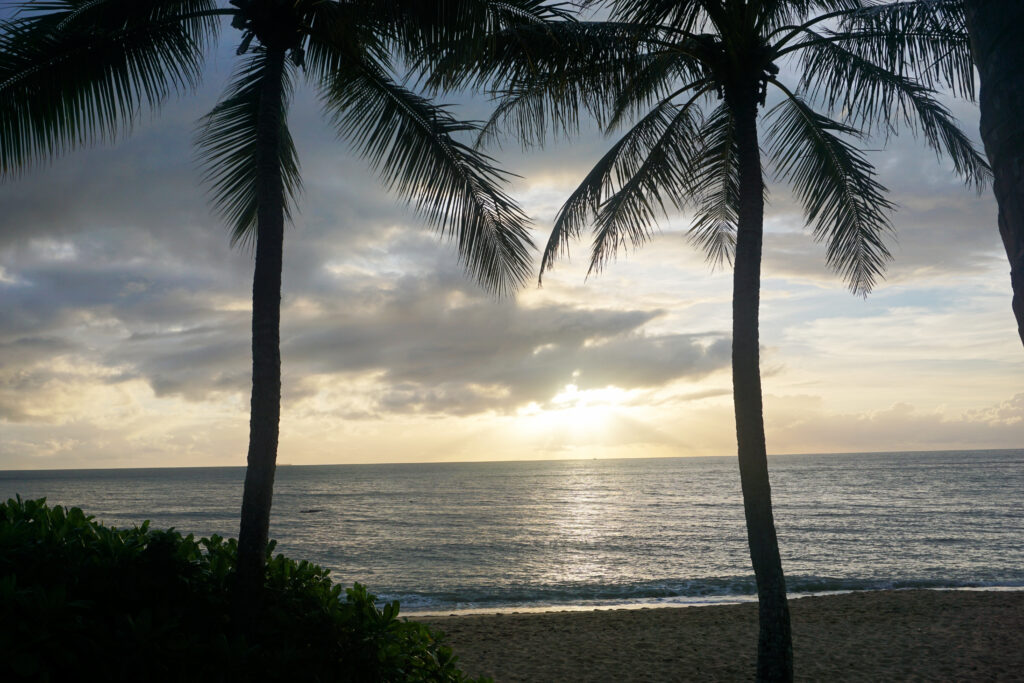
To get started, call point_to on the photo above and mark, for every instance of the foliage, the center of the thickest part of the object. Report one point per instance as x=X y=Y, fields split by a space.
x=80 y=600
x=80 y=72
x=670 y=75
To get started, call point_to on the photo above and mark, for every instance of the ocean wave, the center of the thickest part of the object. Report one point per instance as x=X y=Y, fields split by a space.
x=697 y=591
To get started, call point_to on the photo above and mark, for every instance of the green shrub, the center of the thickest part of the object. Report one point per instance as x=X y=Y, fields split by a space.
x=81 y=601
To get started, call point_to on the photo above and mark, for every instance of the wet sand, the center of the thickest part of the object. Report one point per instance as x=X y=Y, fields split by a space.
x=915 y=635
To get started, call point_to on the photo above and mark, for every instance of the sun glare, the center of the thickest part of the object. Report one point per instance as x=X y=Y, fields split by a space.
x=573 y=415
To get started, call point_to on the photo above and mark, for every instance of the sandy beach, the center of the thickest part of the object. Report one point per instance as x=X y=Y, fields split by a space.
x=915 y=635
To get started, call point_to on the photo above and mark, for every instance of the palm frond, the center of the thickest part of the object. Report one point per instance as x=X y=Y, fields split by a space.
x=774 y=15
x=805 y=16
x=871 y=96
x=923 y=40
x=716 y=189
x=340 y=33
x=690 y=16
x=604 y=179
x=520 y=52
x=228 y=150
x=422 y=36
x=656 y=76
x=412 y=144
x=445 y=41
x=647 y=182
x=548 y=106
x=74 y=73
x=418 y=25
x=543 y=89
x=843 y=202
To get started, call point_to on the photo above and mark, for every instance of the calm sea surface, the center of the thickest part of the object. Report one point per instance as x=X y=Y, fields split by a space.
x=597 y=532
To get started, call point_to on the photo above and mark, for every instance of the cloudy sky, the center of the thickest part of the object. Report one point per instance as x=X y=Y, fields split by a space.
x=124 y=329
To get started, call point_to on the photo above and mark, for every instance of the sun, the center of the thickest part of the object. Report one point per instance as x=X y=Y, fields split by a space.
x=574 y=416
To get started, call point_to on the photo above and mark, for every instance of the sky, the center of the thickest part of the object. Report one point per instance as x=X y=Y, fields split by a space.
x=124 y=324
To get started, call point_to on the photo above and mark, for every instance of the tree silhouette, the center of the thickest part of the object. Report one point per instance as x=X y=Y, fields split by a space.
x=77 y=72
x=692 y=78
x=999 y=55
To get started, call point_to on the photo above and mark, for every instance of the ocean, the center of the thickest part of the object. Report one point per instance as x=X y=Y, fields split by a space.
x=580 y=534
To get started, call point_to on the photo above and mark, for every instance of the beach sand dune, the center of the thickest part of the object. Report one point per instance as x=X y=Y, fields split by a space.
x=872 y=636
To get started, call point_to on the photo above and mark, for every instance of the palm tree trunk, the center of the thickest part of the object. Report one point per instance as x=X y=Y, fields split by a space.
x=774 y=646
x=266 y=337
x=994 y=26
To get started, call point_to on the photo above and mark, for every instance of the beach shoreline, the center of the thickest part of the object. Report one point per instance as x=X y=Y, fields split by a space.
x=664 y=603
x=925 y=635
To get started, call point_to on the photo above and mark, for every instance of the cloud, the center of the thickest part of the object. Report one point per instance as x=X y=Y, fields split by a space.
x=125 y=324
x=798 y=424
x=442 y=347
x=396 y=307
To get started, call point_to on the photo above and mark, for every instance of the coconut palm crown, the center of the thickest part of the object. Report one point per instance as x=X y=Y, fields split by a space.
x=78 y=72
x=689 y=82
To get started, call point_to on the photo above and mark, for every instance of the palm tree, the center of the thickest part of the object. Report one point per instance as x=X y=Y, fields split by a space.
x=76 y=72
x=693 y=77
x=999 y=55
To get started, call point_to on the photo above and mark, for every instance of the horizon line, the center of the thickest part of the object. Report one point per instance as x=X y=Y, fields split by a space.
x=535 y=460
